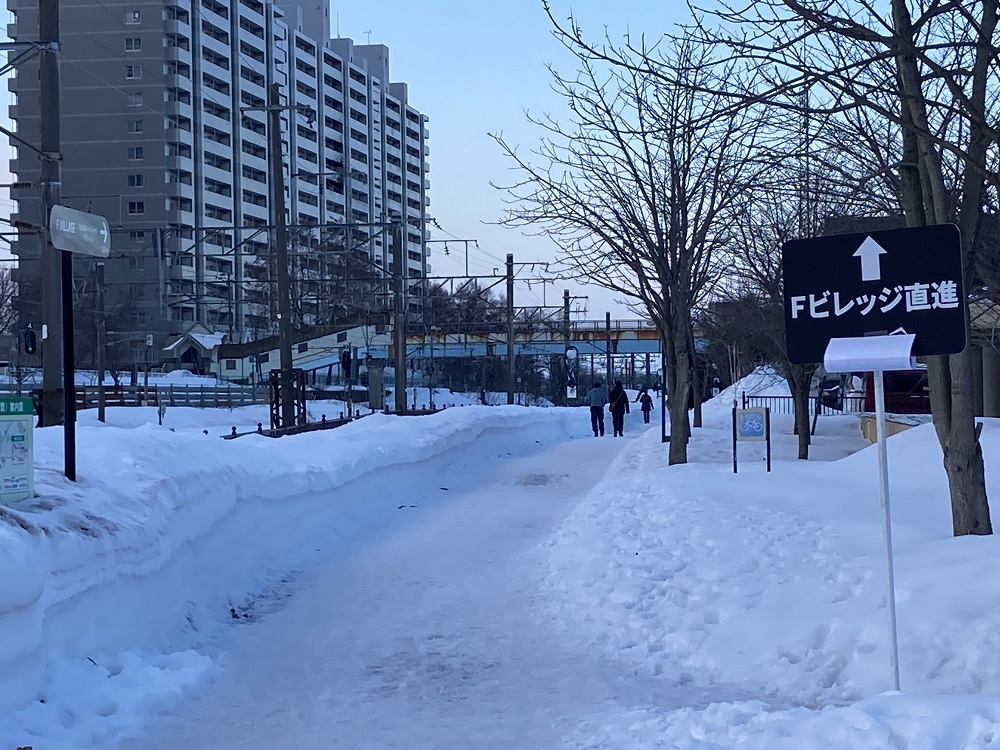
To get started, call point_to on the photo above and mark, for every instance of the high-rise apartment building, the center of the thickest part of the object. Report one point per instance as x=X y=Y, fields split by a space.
x=164 y=133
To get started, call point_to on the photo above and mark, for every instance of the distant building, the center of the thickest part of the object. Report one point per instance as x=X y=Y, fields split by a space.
x=154 y=138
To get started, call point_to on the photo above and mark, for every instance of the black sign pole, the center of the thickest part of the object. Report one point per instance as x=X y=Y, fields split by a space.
x=664 y=437
x=69 y=389
x=767 y=427
x=734 y=436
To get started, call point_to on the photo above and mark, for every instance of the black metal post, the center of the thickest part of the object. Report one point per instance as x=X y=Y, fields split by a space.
x=607 y=348
x=510 y=328
x=664 y=437
x=734 y=436
x=767 y=426
x=69 y=391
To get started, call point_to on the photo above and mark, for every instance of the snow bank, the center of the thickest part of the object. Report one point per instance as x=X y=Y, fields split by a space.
x=80 y=559
x=769 y=589
x=763 y=381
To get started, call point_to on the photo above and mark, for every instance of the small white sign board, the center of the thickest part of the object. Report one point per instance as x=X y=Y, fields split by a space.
x=870 y=354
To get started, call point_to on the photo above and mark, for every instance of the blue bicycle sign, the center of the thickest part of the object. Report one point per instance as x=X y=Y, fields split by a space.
x=751 y=424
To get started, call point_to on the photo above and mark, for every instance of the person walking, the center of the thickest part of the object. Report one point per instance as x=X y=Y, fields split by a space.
x=596 y=398
x=618 y=405
x=646 y=404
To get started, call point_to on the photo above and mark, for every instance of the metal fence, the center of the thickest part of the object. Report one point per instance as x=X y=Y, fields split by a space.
x=786 y=404
x=200 y=396
x=203 y=396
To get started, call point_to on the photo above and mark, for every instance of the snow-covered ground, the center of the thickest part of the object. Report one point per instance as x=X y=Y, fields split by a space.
x=490 y=577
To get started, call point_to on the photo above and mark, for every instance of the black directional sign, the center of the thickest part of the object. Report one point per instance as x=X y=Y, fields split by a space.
x=896 y=281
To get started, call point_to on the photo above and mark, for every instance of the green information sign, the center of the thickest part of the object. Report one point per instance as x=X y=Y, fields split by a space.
x=17 y=460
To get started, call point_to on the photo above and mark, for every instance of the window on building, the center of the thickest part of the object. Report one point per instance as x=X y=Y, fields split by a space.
x=219 y=136
x=137 y=262
x=262 y=358
x=303 y=347
x=137 y=237
x=136 y=207
x=135 y=100
x=133 y=126
x=133 y=44
x=179 y=149
x=251 y=51
x=220 y=162
x=216 y=7
x=133 y=17
x=230 y=364
x=133 y=72
x=135 y=153
x=135 y=180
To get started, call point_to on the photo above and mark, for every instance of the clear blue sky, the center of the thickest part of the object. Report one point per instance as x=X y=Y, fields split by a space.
x=473 y=68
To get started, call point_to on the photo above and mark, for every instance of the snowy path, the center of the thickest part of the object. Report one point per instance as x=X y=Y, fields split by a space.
x=422 y=635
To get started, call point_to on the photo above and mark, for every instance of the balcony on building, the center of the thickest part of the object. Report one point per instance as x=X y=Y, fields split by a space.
x=179 y=54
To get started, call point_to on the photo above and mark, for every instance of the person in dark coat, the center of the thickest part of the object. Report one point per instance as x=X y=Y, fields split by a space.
x=618 y=405
x=596 y=398
x=646 y=404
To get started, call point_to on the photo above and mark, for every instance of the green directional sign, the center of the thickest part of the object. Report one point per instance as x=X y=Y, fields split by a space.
x=79 y=232
x=17 y=461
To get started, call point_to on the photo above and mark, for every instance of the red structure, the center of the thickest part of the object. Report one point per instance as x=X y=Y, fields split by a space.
x=905 y=392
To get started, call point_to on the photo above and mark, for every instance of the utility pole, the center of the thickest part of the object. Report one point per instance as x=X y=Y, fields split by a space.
x=510 y=328
x=99 y=312
x=399 y=319
x=52 y=293
x=607 y=345
x=284 y=302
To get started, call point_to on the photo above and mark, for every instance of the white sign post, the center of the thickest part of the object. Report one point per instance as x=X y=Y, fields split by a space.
x=878 y=355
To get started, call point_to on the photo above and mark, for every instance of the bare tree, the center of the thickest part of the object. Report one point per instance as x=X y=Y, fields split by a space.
x=929 y=70
x=635 y=193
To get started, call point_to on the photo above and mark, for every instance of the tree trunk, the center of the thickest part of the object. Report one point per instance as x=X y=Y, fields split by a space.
x=799 y=377
x=699 y=388
x=927 y=201
x=950 y=380
x=679 y=376
x=680 y=429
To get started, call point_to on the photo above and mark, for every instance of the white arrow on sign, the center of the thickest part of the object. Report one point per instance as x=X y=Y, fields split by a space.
x=871 y=263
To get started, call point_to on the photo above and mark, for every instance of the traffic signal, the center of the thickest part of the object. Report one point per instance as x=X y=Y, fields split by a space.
x=30 y=341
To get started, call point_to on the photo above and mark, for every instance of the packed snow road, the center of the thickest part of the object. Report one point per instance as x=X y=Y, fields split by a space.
x=421 y=634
